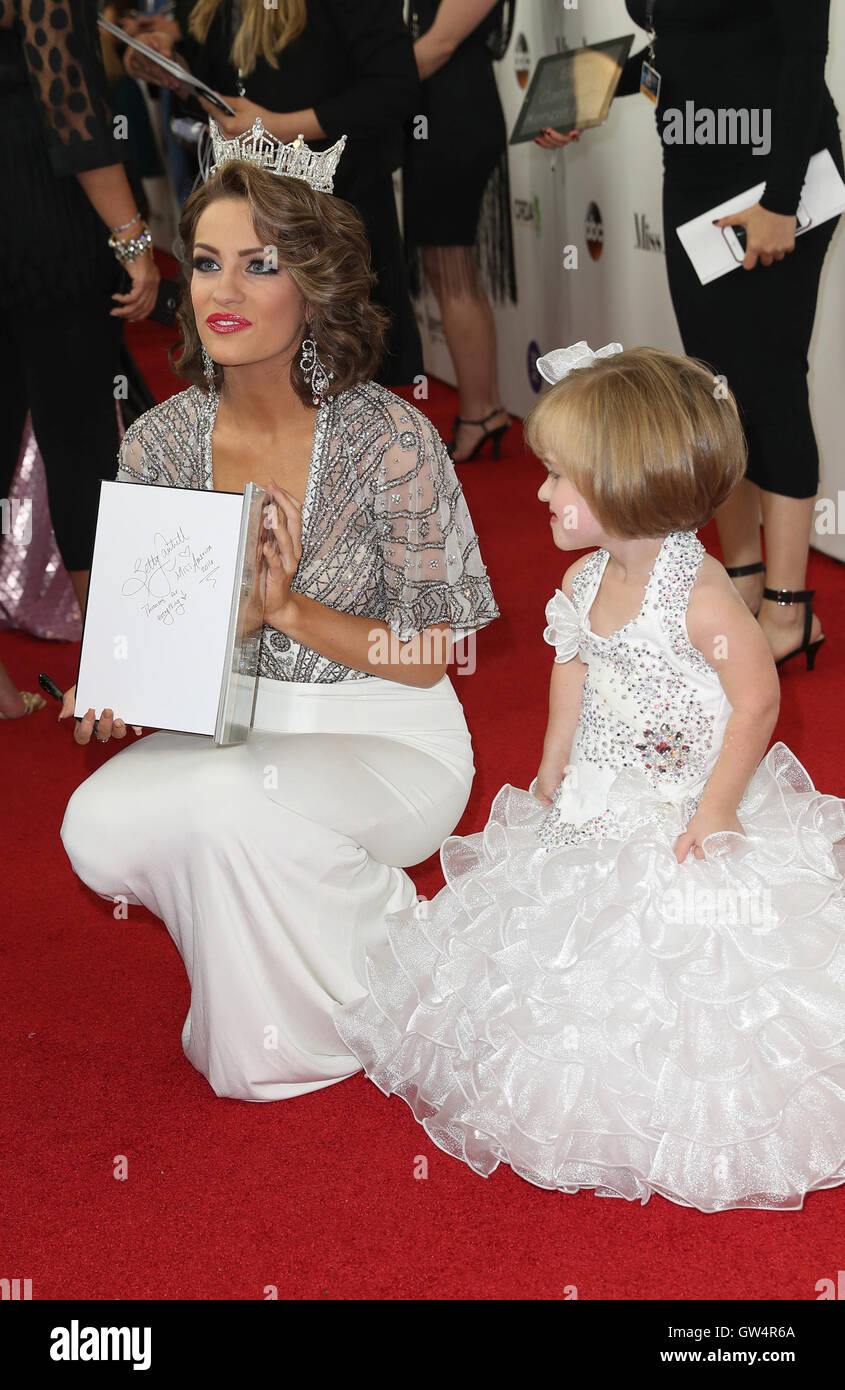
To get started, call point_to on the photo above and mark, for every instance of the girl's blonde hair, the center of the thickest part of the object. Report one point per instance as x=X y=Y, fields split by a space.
x=651 y=441
x=262 y=31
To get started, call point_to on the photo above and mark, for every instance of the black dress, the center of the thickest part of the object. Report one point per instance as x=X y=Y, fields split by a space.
x=59 y=350
x=354 y=64
x=456 y=189
x=753 y=327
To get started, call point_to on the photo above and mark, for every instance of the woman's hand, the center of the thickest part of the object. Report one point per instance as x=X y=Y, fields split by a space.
x=139 y=26
x=246 y=113
x=549 y=777
x=142 y=69
x=107 y=726
x=282 y=553
x=704 y=823
x=554 y=139
x=139 y=301
x=768 y=235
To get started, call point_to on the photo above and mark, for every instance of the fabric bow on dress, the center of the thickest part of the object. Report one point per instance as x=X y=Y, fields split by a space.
x=562 y=631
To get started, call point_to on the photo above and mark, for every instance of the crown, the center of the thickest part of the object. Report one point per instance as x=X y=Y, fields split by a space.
x=297 y=160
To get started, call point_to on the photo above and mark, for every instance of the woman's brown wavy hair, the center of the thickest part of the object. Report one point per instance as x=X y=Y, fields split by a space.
x=320 y=240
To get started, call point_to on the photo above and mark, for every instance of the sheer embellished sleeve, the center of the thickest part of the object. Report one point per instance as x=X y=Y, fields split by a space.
x=130 y=459
x=167 y=445
x=562 y=630
x=432 y=566
x=61 y=47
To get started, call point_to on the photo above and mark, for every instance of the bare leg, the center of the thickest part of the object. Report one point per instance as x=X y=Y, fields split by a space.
x=79 y=580
x=786 y=522
x=738 y=522
x=11 y=704
x=470 y=331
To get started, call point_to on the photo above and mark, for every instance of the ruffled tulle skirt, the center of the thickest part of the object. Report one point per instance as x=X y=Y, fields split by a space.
x=599 y=1016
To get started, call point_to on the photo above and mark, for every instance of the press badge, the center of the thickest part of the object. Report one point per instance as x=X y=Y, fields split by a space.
x=650 y=82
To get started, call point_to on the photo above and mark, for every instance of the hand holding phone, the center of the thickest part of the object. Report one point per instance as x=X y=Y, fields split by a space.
x=737 y=239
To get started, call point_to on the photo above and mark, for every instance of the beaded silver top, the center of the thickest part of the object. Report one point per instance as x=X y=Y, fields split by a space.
x=386 y=531
x=652 y=706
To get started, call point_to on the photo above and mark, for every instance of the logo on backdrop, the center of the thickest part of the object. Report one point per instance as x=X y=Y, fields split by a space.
x=526 y=213
x=531 y=363
x=522 y=60
x=646 y=239
x=594 y=231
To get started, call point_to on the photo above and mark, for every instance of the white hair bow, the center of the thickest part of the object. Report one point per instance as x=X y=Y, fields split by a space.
x=561 y=361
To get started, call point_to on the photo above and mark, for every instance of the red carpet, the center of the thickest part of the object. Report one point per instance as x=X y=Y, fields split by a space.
x=317 y=1196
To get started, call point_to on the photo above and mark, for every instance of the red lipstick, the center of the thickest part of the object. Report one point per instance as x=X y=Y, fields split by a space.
x=227 y=323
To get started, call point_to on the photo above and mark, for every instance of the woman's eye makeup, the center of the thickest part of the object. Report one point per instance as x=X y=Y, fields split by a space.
x=259 y=265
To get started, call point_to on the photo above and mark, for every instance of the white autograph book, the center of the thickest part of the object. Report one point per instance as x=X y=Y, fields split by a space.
x=175 y=609
x=822 y=196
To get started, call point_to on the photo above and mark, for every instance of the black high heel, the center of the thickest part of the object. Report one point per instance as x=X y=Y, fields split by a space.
x=788 y=597
x=496 y=435
x=739 y=571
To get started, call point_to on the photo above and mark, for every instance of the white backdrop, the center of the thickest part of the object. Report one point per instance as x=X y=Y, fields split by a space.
x=596 y=206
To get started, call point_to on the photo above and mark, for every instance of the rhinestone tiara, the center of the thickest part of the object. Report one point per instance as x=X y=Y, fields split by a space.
x=297 y=160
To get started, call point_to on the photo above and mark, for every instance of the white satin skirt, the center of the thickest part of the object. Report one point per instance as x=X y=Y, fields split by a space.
x=275 y=863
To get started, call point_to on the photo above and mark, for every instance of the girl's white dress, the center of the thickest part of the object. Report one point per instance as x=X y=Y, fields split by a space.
x=579 y=1005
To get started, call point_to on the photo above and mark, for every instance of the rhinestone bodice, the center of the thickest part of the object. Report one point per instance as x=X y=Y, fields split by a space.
x=651 y=703
x=386 y=531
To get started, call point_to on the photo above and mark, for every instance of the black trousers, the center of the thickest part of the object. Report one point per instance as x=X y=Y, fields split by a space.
x=61 y=363
x=753 y=327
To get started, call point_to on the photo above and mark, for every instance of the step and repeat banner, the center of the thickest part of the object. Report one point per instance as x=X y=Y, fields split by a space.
x=589 y=241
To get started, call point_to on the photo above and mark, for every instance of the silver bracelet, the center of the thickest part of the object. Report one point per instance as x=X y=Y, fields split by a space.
x=137 y=218
x=133 y=246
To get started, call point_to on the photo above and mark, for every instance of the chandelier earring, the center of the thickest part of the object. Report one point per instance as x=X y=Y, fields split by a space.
x=209 y=367
x=317 y=376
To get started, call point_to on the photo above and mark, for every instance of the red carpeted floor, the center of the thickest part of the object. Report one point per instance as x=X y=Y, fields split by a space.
x=318 y=1196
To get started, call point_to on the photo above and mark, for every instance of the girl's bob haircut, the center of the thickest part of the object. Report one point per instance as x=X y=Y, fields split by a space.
x=651 y=441
x=320 y=241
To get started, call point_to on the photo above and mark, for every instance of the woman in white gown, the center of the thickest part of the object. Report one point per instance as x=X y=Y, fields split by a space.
x=274 y=864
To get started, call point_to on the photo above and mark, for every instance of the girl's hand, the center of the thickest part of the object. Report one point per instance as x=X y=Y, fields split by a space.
x=554 y=139
x=107 y=726
x=549 y=777
x=140 y=300
x=704 y=823
x=282 y=553
x=246 y=112
x=768 y=235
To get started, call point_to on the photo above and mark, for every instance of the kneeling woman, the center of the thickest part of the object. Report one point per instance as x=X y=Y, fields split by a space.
x=274 y=863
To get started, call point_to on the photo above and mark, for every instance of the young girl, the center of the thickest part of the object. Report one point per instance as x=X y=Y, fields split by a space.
x=634 y=980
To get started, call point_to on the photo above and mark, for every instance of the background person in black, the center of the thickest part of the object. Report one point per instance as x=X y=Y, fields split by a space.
x=461 y=162
x=64 y=188
x=344 y=67
x=753 y=327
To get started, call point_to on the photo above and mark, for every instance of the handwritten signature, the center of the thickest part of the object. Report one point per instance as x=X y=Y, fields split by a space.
x=162 y=575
